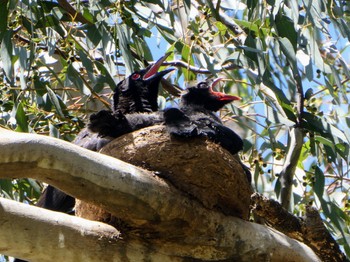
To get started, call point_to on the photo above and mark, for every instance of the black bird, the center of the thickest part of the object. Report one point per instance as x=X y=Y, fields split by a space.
x=108 y=124
x=136 y=93
x=196 y=116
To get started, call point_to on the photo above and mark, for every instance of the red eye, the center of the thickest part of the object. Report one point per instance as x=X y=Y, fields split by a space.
x=135 y=76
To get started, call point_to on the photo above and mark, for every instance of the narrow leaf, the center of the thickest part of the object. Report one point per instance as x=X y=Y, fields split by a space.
x=319 y=182
x=55 y=101
x=21 y=119
x=6 y=53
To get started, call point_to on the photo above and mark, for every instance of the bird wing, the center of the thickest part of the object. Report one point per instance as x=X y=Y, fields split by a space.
x=226 y=137
x=178 y=124
x=108 y=124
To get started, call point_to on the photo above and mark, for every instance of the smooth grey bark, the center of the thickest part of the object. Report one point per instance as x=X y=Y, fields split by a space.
x=166 y=221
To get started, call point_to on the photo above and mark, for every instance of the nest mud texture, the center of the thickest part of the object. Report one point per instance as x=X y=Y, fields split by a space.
x=195 y=166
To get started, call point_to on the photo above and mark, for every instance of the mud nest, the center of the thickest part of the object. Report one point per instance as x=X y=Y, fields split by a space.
x=196 y=166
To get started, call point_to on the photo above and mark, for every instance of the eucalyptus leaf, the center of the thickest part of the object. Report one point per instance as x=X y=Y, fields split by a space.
x=76 y=79
x=21 y=118
x=55 y=101
x=6 y=53
x=122 y=32
x=3 y=18
x=285 y=28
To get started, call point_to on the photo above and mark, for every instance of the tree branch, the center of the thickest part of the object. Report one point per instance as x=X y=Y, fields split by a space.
x=197 y=70
x=44 y=235
x=76 y=16
x=159 y=215
x=308 y=229
x=290 y=164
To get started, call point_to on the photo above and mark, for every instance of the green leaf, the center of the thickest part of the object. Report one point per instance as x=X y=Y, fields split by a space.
x=27 y=24
x=88 y=64
x=55 y=101
x=247 y=24
x=47 y=21
x=285 y=28
x=54 y=131
x=187 y=5
x=93 y=35
x=319 y=182
x=167 y=33
x=240 y=59
x=142 y=49
x=50 y=21
x=250 y=49
x=21 y=119
x=6 y=188
x=221 y=28
x=334 y=213
x=6 y=53
x=48 y=5
x=289 y=52
x=343 y=150
x=4 y=10
x=105 y=76
x=282 y=99
x=251 y=4
x=324 y=141
x=275 y=117
x=123 y=37
x=76 y=79
x=88 y=16
x=315 y=124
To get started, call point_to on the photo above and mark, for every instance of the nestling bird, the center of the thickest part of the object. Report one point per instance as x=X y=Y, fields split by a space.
x=196 y=117
x=136 y=93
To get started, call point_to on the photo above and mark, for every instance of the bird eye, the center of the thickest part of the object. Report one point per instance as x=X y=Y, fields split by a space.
x=135 y=76
x=202 y=85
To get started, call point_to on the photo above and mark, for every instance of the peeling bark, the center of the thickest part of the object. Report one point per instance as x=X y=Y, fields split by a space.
x=309 y=229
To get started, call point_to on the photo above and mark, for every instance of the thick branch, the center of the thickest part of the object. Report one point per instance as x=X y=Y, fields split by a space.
x=157 y=213
x=43 y=235
x=309 y=229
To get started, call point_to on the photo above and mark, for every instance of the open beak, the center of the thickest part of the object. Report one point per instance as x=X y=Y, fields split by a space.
x=220 y=95
x=152 y=70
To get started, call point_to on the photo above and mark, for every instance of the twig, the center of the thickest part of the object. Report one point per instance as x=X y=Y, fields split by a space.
x=178 y=63
x=76 y=16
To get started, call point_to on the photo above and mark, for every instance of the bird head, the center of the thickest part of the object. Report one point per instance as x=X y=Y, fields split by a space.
x=139 y=91
x=204 y=95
